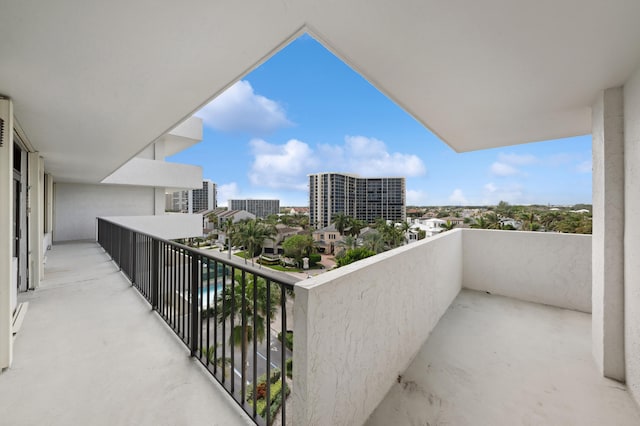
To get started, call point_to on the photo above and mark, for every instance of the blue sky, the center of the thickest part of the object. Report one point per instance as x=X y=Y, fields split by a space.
x=305 y=111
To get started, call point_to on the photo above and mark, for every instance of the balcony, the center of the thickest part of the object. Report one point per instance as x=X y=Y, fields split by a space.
x=90 y=352
x=468 y=327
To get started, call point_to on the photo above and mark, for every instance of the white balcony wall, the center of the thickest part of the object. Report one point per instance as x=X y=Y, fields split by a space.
x=76 y=207
x=168 y=226
x=358 y=327
x=632 y=234
x=182 y=137
x=145 y=172
x=548 y=268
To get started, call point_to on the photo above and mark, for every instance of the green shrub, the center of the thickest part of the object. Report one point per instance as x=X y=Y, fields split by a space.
x=289 y=340
x=275 y=393
x=290 y=368
x=314 y=258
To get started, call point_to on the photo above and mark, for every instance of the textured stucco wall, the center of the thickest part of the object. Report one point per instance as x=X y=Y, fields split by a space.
x=553 y=269
x=632 y=233
x=76 y=207
x=608 y=233
x=358 y=327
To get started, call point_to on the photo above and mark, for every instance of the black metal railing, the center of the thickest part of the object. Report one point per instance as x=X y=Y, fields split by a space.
x=222 y=309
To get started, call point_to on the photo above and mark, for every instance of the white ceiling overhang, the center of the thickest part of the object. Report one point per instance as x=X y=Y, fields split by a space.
x=93 y=83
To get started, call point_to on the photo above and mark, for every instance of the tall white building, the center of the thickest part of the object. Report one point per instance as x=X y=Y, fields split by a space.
x=260 y=208
x=366 y=199
x=203 y=198
x=193 y=200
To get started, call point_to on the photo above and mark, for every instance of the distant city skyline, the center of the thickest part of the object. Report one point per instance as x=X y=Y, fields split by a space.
x=304 y=111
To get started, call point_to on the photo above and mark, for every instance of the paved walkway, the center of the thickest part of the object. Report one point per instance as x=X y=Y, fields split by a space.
x=91 y=352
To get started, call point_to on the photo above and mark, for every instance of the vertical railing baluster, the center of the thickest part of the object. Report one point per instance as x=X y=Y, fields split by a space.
x=283 y=351
x=254 y=380
x=268 y=325
x=195 y=278
x=245 y=333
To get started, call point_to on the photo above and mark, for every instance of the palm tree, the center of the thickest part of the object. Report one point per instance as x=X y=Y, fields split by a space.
x=252 y=234
x=480 y=223
x=493 y=220
x=529 y=221
x=236 y=303
x=348 y=242
x=355 y=226
x=375 y=242
x=341 y=221
x=447 y=226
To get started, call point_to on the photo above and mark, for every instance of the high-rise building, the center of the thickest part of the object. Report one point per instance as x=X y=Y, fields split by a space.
x=193 y=200
x=366 y=199
x=203 y=199
x=260 y=208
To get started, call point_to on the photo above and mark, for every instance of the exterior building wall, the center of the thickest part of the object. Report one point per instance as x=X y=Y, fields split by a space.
x=6 y=233
x=366 y=199
x=76 y=207
x=260 y=208
x=632 y=234
x=202 y=199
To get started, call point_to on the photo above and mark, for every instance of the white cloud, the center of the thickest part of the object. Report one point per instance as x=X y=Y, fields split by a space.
x=503 y=169
x=416 y=197
x=490 y=188
x=281 y=166
x=585 y=167
x=457 y=197
x=287 y=165
x=517 y=159
x=227 y=191
x=240 y=109
x=370 y=157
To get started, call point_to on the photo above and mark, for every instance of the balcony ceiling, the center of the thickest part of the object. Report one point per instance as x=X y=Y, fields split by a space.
x=95 y=82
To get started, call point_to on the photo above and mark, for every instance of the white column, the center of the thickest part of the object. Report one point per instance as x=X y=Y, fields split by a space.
x=160 y=201
x=48 y=224
x=6 y=232
x=608 y=234
x=36 y=218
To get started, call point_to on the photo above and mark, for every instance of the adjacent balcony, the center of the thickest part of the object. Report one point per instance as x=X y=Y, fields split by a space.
x=468 y=327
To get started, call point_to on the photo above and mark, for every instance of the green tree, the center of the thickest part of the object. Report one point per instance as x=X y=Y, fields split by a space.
x=447 y=226
x=375 y=242
x=236 y=303
x=354 y=255
x=298 y=246
x=355 y=226
x=252 y=234
x=480 y=223
x=348 y=242
x=341 y=221
x=529 y=221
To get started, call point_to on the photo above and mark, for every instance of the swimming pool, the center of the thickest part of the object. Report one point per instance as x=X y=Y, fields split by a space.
x=209 y=293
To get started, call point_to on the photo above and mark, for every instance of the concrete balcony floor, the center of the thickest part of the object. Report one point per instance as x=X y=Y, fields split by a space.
x=492 y=360
x=91 y=352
